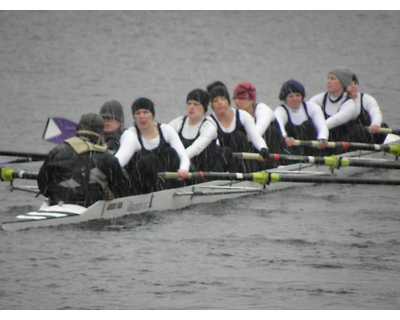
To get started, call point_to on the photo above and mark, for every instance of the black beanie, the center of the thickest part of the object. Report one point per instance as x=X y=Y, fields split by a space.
x=199 y=95
x=91 y=122
x=289 y=87
x=143 y=103
x=112 y=110
x=219 y=91
x=215 y=84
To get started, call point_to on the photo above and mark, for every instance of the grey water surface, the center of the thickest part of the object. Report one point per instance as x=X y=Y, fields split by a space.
x=309 y=247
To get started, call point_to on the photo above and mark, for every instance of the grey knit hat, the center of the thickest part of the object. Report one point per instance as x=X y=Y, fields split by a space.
x=344 y=75
x=112 y=110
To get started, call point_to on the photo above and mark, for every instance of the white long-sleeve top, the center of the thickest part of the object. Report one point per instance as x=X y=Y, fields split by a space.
x=263 y=116
x=207 y=129
x=339 y=112
x=130 y=145
x=371 y=106
x=248 y=123
x=298 y=116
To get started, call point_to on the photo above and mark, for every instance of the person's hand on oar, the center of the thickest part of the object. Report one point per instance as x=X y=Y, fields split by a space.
x=264 y=152
x=374 y=128
x=183 y=174
x=323 y=143
x=289 y=141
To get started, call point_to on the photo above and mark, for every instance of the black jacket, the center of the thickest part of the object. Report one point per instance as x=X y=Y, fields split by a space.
x=82 y=177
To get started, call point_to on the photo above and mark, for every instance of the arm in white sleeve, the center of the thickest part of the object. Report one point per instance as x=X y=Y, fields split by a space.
x=208 y=133
x=318 y=119
x=129 y=144
x=172 y=137
x=318 y=99
x=346 y=113
x=176 y=123
x=248 y=122
x=372 y=107
x=264 y=115
x=282 y=118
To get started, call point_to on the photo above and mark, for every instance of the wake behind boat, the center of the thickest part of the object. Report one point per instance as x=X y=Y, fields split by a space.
x=224 y=188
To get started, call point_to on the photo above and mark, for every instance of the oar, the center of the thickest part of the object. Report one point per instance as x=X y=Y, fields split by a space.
x=9 y=174
x=59 y=129
x=29 y=155
x=334 y=162
x=264 y=178
x=389 y=148
x=15 y=160
x=387 y=130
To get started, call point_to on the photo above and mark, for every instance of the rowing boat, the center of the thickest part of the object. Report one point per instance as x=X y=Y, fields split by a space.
x=178 y=198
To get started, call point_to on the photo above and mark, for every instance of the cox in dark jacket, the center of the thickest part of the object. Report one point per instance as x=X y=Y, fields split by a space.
x=80 y=170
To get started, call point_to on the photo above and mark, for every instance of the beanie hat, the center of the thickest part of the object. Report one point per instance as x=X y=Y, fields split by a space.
x=143 y=103
x=91 y=122
x=344 y=75
x=219 y=91
x=112 y=110
x=215 y=84
x=199 y=95
x=245 y=90
x=291 y=86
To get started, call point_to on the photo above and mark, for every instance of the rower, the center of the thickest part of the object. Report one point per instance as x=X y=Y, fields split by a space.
x=369 y=114
x=237 y=131
x=113 y=116
x=80 y=170
x=148 y=148
x=245 y=96
x=339 y=109
x=198 y=134
x=300 y=120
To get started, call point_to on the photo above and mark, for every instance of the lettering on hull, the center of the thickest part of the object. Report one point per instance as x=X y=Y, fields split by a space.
x=132 y=207
x=115 y=205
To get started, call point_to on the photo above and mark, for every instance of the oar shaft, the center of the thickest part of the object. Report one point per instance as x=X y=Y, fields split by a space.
x=264 y=177
x=9 y=174
x=29 y=155
x=318 y=179
x=333 y=162
x=209 y=175
x=344 y=145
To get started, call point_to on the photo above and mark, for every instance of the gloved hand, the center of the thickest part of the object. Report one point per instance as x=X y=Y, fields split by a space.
x=264 y=152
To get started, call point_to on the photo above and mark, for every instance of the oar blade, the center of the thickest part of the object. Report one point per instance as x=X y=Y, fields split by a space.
x=59 y=129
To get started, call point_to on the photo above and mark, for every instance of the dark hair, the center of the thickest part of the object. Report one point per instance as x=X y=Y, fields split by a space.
x=219 y=91
x=199 y=95
x=143 y=103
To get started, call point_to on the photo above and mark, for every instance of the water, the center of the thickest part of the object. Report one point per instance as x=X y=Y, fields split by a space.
x=320 y=247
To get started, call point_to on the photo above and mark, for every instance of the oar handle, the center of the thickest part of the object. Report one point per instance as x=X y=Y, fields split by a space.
x=9 y=174
x=387 y=130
